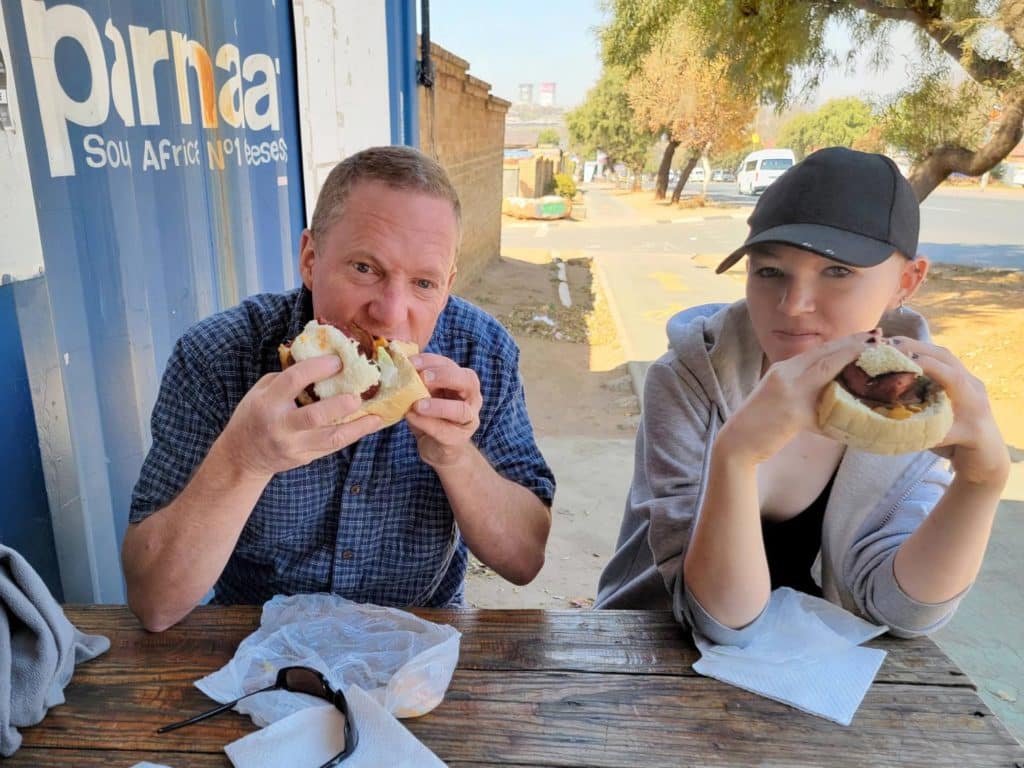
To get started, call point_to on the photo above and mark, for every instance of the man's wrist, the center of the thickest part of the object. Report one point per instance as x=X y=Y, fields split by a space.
x=228 y=468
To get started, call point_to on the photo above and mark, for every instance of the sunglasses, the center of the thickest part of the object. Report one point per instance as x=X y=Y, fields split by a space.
x=296 y=680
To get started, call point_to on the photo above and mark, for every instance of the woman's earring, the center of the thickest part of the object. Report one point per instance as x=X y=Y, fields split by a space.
x=899 y=309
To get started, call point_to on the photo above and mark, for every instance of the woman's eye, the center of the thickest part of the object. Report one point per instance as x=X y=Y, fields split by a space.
x=838 y=272
x=768 y=272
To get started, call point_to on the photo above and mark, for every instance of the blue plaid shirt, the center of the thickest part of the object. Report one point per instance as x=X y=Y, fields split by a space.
x=371 y=522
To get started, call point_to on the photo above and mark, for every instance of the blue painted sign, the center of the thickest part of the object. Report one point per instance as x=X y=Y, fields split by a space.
x=163 y=152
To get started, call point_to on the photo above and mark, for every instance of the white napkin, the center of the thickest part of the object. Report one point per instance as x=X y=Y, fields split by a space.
x=312 y=736
x=806 y=655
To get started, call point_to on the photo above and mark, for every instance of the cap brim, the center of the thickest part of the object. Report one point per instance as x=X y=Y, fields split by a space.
x=836 y=244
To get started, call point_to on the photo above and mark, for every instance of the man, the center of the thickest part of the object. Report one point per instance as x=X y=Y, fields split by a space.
x=245 y=492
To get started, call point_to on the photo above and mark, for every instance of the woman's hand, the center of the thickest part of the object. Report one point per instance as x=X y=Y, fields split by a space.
x=973 y=444
x=785 y=399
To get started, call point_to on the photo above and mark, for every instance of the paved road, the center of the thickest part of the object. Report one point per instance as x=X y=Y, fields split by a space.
x=957 y=227
x=654 y=269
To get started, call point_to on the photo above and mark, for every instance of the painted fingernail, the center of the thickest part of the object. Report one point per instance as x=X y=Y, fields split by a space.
x=914 y=355
x=876 y=331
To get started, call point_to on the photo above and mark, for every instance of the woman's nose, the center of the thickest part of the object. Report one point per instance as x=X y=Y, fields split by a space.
x=797 y=298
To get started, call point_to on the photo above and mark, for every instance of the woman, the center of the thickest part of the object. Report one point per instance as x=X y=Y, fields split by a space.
x=736 y=492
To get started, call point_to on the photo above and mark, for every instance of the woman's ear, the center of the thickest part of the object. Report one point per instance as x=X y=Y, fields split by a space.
x=911 y=276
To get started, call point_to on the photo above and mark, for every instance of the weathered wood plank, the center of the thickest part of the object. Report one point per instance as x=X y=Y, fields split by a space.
x=647 y=642
x=65 y=758
x=577 y=719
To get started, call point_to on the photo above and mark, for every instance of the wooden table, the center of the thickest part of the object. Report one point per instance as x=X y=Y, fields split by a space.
x=533 y=688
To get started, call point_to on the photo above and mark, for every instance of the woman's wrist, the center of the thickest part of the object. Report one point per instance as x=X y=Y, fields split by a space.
x=731 y=451
x=984 y=463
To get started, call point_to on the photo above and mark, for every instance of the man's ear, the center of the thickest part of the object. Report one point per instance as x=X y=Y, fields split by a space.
x=307 y=255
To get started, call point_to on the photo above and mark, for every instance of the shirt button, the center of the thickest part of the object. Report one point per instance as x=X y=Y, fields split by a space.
x=346 y=555
x=356 y=488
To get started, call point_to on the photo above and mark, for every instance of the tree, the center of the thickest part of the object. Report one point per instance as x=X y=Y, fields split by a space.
x=918 y=118
x=680 y=91
x=837 y=123
x=548 y=136
x=781 y=47
x=605 y=121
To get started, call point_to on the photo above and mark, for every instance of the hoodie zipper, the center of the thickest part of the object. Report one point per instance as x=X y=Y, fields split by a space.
x=905 y=496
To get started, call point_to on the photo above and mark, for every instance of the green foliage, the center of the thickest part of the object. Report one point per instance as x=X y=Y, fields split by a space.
x=605 y=121
x=564 y=185
x=918 y=119
x=729 y=160
x=548 y=136
x=779 y=48
x=838 y=123
x=636 y=26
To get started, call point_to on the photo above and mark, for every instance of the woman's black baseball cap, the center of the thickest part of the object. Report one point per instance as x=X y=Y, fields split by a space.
x=853 y=207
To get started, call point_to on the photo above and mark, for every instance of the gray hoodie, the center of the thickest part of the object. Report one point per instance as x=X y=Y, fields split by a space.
x=713 y=363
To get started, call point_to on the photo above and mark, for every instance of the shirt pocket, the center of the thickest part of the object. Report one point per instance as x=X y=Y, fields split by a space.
x=297 y=510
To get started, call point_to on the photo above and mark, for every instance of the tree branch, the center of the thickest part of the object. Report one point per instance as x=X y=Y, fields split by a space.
x=982 y=70
x=1011 y=15
x=952 y=159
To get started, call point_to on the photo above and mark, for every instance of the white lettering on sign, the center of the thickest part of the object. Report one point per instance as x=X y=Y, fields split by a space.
x=248 y=96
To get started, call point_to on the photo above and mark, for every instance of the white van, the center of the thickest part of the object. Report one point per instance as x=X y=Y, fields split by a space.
x=761 y=168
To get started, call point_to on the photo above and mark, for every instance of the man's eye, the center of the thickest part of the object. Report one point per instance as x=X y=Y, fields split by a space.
x=362 y=266
x=426 y=285
x=768 y=272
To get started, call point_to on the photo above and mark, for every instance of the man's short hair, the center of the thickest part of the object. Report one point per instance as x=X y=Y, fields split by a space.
x=398 y=167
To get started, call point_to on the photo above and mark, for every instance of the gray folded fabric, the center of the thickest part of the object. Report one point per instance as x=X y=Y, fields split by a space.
x=39 y=649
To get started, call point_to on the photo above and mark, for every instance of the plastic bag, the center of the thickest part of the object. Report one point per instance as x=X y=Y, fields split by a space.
x=404 y=662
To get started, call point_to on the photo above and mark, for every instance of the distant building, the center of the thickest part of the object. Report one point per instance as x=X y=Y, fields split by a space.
x=526 y=93
x=547 y=95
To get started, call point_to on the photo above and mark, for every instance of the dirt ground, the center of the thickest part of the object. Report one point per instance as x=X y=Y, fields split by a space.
x=577 y=386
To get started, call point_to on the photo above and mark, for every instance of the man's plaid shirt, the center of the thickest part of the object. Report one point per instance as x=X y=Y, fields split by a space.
x=371 y=522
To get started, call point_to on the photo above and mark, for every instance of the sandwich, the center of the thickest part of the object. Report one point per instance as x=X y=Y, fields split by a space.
x=374 y=368
x=883 y=403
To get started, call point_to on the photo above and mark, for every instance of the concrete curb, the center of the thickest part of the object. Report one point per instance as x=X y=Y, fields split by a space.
x=711 y=217
x=637 y=373
x=637 y=369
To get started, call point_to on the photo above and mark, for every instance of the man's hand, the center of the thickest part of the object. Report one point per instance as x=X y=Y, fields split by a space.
x=269 y=433
x=445 y=423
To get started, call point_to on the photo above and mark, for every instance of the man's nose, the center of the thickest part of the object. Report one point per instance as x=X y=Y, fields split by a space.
x=797 y=298
x=389 y=307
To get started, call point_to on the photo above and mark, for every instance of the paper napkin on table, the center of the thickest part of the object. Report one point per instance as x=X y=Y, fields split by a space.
x=312 y=736
x=807 y=655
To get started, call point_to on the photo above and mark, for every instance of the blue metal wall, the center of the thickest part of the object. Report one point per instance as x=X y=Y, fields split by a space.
x=25 y=520
x=147 y=224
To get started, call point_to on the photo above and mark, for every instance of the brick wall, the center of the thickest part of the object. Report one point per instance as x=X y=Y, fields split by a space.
x=463 y=126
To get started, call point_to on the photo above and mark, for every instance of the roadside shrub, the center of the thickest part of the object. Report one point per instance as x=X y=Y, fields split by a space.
x=565 y=186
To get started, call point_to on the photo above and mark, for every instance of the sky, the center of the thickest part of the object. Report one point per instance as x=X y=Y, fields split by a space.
x=534 y=41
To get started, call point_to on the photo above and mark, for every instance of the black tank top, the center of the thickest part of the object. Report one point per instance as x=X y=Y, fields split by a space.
x=792 y=545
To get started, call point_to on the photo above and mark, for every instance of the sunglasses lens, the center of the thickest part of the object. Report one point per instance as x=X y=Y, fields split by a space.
x=305 y=681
